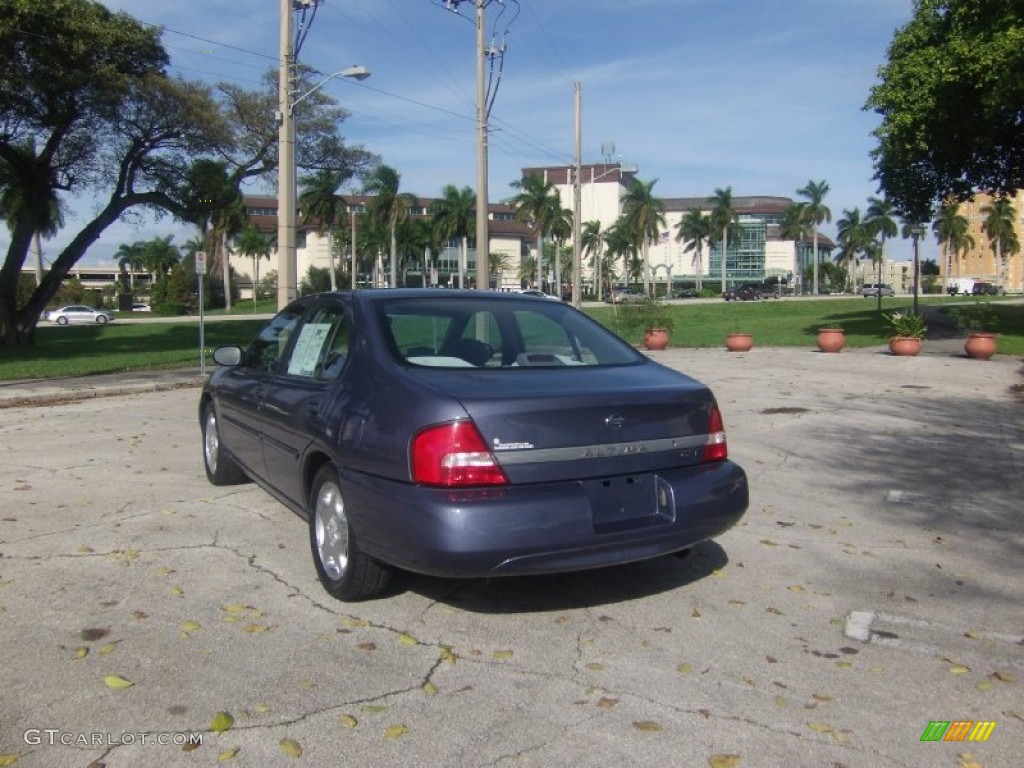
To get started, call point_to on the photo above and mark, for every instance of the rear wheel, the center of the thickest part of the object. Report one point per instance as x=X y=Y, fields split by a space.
x=101 y=319
x=345 y=571
x=221 y=469
x=62 y=320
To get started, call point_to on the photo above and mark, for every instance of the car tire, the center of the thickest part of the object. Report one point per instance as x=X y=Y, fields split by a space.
x=221 y=469
x=62 y=320
x=101 y=319
x=344 y=570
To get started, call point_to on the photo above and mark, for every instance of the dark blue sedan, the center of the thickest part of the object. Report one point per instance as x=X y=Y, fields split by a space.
x=467 y=434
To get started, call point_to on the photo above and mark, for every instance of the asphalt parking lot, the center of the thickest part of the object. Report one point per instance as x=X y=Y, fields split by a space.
x=875 y=586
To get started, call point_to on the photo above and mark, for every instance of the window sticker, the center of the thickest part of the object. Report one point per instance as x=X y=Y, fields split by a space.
x=308 y=348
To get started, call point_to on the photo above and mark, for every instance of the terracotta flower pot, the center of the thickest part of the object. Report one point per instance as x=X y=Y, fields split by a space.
x=980 y=345
x=656 y=338
x=831 y=339
x=739 y=342
x=904 y=346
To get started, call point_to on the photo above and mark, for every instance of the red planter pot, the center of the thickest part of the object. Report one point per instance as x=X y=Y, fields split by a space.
x=980 y=345
x=739 y=342
x=656 y=338
x=831 y=339
x=904 y=346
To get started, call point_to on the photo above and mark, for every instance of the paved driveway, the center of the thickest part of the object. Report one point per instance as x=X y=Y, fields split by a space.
x=875 y=586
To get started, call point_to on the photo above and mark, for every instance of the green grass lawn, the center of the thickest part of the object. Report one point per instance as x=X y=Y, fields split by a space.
x=84 y=350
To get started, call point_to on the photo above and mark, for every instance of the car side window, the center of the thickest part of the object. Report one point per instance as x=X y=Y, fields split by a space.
x=321 y=347
x=267 y=352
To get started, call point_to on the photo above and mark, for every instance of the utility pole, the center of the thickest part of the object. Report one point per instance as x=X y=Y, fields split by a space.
x=577 y=244
x=287 y=279
x=483 y=280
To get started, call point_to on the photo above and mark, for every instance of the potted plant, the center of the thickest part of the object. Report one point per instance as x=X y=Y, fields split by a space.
x=831 y=339
x=908 y=328
x=651 y=317
x=739 y=341
x=977 y=319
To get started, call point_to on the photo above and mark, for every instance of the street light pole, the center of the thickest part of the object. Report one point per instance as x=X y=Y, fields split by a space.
x=483 y=281
x=286 y=263
x=577 y=245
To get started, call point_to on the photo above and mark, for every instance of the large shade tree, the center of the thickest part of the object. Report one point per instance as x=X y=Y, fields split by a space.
x=100 y=119
x=87 y=111
x=950 y=97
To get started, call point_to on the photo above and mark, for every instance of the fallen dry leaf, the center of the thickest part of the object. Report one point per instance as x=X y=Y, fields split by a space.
x=648 y=726
x=394 y=731
x=721 y=760
x=290 y=747
x=348 y=721
x=116 y=681
x=222 y=721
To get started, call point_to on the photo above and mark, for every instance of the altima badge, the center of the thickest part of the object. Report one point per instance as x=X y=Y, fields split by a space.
x=614 y=421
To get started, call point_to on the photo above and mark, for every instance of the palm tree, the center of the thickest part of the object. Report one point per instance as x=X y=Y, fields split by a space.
x=256 y=244
x=129 y=259
x=724 y=219
x=881 y=224
x=853 y=238
x=815 y=212
x=950 y=228
x=560 y=229
x=159 y=255
x=644 y=215
x=620 y=244
x=537 y=205
x=320 y=202
x=695 y=228
x=999 y=226
x=454 y=217
x=592 y=245
x=390 y=207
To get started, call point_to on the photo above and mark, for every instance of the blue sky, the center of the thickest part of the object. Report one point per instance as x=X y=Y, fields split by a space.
x=759 y=95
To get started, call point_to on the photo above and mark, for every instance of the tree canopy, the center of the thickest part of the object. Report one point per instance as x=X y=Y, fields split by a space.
x=951 y=98
x=88 y=111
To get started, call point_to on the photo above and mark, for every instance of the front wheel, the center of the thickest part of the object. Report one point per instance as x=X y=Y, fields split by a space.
x=345 y=571
x=101 y=319
x=221 y=469
x=62 y=320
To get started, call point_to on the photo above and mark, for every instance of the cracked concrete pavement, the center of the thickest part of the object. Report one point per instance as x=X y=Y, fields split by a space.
x=884 y=487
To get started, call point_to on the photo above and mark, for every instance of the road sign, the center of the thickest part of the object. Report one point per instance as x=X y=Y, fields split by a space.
x=200 y=262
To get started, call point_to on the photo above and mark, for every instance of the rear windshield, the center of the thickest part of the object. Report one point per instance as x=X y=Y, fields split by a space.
x=497 y=333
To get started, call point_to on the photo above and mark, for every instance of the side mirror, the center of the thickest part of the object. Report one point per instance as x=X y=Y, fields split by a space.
x=227 y=355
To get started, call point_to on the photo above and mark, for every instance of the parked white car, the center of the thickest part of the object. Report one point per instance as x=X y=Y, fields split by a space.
x=77 y=313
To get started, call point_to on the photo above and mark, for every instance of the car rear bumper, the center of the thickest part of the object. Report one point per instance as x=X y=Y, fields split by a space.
x=545 y=528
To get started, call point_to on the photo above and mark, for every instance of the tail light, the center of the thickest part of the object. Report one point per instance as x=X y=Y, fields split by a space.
x=454 y=455
x=716 y=448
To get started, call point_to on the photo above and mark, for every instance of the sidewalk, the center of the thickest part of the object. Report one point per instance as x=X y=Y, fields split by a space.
x=34 y=392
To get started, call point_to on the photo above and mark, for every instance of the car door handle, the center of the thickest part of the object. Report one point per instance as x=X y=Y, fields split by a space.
x=312 y=407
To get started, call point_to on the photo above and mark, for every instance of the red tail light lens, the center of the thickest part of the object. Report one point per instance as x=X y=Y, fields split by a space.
x=716 y=448
x=454 y=455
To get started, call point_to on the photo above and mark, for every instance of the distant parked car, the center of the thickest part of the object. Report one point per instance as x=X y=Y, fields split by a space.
x=987 y=289
x=77 y=313
x=141 y=308
x=467 y=434
x=685 y=293
x=743 y=293
x=535 y=292
x=876 y=289
x=626 y=296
